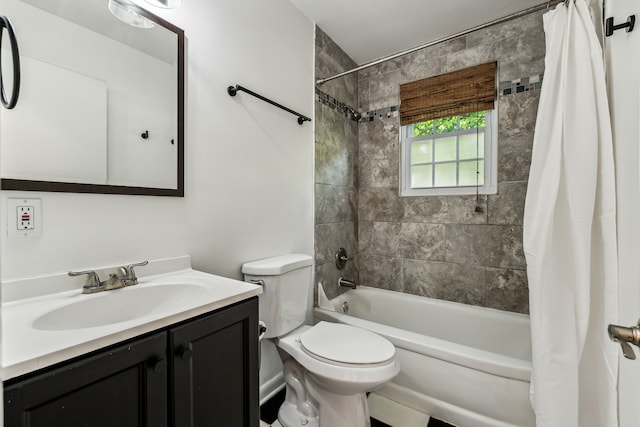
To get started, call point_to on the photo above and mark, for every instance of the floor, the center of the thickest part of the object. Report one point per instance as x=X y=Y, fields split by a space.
x=269 y=413
x=374 y=423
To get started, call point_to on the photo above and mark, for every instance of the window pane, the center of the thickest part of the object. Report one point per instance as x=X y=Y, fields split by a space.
x=421 y=176
x=481 y=119
x=468 y=173
x=445 y=175
x=468 y=144
x=472 y=120
x=445 y=149
x=421 y=152
x=423 y=128
x=447 y=124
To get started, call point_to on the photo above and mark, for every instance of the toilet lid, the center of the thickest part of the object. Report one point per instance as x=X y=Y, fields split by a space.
x=346 y=344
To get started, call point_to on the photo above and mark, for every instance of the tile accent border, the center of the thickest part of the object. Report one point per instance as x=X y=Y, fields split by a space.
x=331 y=102
x=523 y=84
x=380 y=113
x=505 y=88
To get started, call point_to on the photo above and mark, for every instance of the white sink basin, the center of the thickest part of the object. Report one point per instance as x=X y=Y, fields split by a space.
x=120 y=305
x=53 y=322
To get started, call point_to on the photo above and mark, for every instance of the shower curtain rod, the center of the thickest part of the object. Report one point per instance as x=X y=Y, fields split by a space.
x=524 y=12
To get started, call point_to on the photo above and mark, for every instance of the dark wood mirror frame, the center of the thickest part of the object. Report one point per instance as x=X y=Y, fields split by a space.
x=69 y=187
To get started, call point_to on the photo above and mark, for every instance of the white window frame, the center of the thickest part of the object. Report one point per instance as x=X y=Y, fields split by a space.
x=490 y=161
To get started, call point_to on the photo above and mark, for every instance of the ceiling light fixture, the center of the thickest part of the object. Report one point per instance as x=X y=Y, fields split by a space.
x=122 y=10
x=165 y=4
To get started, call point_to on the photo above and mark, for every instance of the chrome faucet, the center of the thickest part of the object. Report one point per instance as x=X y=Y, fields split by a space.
x=124 y=276
x=345 y=283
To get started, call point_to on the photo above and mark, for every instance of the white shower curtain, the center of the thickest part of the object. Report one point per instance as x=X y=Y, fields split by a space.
x=569 y=231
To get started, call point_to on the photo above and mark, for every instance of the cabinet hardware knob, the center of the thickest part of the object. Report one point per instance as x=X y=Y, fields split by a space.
x=159 y=366
x=186 y=353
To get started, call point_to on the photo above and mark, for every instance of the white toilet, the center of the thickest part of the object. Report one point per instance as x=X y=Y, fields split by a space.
x=328 y=367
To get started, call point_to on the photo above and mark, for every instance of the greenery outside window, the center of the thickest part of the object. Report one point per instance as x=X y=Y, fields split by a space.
x=450 y=155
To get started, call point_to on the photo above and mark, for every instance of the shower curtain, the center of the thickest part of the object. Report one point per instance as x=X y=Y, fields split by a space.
x=569 y=231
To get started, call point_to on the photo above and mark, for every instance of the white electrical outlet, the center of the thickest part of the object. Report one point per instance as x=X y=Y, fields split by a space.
x=24 y=218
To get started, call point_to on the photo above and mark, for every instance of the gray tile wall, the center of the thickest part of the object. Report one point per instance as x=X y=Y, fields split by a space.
x=436 y=246
x=336 y=146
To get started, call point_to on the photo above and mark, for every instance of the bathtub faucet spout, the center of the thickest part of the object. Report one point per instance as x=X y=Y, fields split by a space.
x=346 y=283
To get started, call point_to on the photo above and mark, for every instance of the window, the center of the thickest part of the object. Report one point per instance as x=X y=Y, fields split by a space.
x=449 y=155
x=449 y=133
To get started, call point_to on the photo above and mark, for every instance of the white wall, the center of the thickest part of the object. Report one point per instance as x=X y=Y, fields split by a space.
x=623 y=69
x=249 y=181
x=249 y=166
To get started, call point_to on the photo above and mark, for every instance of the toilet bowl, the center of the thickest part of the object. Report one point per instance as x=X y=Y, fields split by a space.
x=328 y=368
x=336 y=364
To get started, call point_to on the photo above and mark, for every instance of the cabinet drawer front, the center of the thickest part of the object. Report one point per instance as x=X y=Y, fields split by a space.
x=123 y=386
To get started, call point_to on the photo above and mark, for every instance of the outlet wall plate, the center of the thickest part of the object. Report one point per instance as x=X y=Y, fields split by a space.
x=16 y=227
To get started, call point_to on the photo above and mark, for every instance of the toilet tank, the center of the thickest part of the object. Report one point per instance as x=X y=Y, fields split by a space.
x=287 y=279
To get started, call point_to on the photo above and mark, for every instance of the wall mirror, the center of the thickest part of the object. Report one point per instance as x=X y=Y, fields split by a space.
x=101 y=105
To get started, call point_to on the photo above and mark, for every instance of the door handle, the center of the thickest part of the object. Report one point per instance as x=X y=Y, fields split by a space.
x=624 y=336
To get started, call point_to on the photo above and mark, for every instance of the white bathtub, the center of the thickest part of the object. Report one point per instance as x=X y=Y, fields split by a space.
x=467 y=365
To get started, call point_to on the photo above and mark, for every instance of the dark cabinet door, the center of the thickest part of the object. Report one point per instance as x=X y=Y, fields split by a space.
x=215 y=369
x=125 y=386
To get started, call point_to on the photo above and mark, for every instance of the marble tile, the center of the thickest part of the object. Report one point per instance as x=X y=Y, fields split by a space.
x=422 y=241
x=384 y=90
x=330 y=237
x=431 y=66
x=335 y=203
x=325 y=45
x=407 y=240
x=517 y=113
x=363 y=96
x=385 y=238
x=335 y=166
x=507 y=289
x=412 y=63
x=381 y=272
x=514 y=157
x=443 y=280
x=344 y=89
x=527 y=24
x=446 y=48
x=445 y=209
x=331 y=60
x=507 y=207
x=379 y=138
x=516 y=57
x=331 y=274
x=485 y=245
x=378 y=153
x=380 y=204
x=335 y=148
x=365 y=237
x=378 y=172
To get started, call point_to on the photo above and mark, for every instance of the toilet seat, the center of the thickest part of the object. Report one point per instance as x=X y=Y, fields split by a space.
x=346 y=345
x=342 y=378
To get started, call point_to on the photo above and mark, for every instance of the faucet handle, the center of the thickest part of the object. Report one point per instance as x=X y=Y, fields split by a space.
x=138 y=264
x=92 y=284
x=131 y=278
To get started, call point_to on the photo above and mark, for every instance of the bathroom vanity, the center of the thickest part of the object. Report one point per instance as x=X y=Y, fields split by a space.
x=191 y=365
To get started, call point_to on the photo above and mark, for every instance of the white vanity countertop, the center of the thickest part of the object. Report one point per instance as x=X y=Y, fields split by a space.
x=26 y=348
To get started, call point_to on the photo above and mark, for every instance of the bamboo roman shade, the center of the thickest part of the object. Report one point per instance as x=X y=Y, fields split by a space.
x=458 y=92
